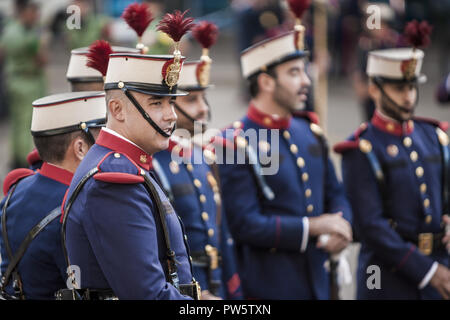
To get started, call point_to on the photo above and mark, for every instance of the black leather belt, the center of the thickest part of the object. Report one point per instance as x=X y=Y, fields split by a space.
x=85 y=294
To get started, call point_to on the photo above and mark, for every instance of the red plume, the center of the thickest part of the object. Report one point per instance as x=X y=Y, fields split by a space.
x=138 y=17
x=298 y=7
x=175 y=25
x=98 y=56
x=417 y=34
x=205 y=33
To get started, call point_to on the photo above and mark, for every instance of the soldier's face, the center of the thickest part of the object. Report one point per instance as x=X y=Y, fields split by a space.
x=292 y=85
x=196 y=107
x=400 y=101
x=161 y=111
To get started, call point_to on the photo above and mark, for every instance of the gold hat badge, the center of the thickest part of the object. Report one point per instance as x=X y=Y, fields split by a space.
x=298 y=8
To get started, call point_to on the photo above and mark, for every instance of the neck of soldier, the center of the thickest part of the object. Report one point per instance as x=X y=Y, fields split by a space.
x=69 y=163
x=265 y=103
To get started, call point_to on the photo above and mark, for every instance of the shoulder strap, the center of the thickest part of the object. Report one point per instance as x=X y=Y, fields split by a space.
x=445 y=154
x=163 y=179
x=17 y=280
x=26 y=243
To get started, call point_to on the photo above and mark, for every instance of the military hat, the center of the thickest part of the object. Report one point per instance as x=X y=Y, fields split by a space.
x=68 y=112
x=278 y=49
x=401 y=64
x=77 y=70
x=196 y=74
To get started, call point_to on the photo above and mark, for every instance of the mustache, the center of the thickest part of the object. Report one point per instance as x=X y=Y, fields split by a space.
x=304 y=91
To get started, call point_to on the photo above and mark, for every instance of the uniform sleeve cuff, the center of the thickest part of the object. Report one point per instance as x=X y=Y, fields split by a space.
x=305 y=234
x=428 y=276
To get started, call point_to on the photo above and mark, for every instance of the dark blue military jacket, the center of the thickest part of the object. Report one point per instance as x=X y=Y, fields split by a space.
x=42 y=268
x=113 y=233
x=277 y=258
x=197 y=200
x=388 y=219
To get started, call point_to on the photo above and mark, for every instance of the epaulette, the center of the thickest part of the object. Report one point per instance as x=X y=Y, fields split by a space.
x=118 y=168
x=443 y=125
x=356 y=142
x=14 y=176
x=313 y=119
x=33 y=157
x=309 y=115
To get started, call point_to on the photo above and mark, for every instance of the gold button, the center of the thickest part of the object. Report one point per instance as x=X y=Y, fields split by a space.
x=267 y=121
x=185 y=237
x=241 y=142
x=210 y=232
x=305 y=177
x=237 y=124
x=423 y=187
x=116 y=155
x=428 y=219
x=83 y=126
x=142 y=172
x=308 y=193
x=426 y=203
x=205 y=216
x=120 y=84
x=174 y=168
x=217 y=198
x=189 y=167
x=202 y=198
x=197 y=183
x=300 y=162
x=414 y=156
x=310 y=208
x=190 y=258
x=390 y=127
x=419 y=172
x=286 y=135
x=294 y=148
x=407 y=142
x=208 y=247
x=143 y=158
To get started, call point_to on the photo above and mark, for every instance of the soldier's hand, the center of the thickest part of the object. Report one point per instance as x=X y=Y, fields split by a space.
x=441 y=281
x=330 y=223
x=206 y=295
x=335 y=243
x=446 y=238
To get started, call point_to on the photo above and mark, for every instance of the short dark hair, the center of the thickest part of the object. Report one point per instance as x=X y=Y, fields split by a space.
x=253 y=80
x=53 y=148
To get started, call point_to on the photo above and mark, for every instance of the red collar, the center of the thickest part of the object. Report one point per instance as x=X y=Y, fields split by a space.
x=55 y=173
x=181 y=151
x=115 y=143
x=267 y=120
x=391 y=126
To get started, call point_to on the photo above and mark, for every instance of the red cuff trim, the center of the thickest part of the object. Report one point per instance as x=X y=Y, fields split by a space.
x=345 y=146
x=405 y=258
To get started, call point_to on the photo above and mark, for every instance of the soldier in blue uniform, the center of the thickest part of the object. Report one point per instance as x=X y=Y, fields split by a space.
x=33 y=265
x=190 y=179
x=281 y=204
x=121 y=232
x=81 y=78
x=396 y=170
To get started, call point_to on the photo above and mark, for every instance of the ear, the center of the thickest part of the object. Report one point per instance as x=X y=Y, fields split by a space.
x=374 y=91
x=266 y=83
x=80 y=148
x=116 y=109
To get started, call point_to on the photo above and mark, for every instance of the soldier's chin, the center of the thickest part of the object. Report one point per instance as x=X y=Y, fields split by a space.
x=406 y=113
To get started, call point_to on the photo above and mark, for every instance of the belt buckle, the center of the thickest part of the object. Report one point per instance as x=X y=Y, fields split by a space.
x=213 y=255
x=426 y=243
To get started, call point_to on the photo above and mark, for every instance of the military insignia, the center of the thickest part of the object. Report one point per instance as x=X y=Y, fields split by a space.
x=267 y=121
x=408 y=68
x=264 y=146
x=316 y=129
x=143 y=158
x=443 y=137
x=174 y=168
x=171 y=71
x=365 y=146
x=392 y=150
x=390 y=127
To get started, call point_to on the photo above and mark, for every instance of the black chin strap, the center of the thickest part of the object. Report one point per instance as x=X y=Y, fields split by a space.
x=184 y=113
x=385 y=95
x=145 y=114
